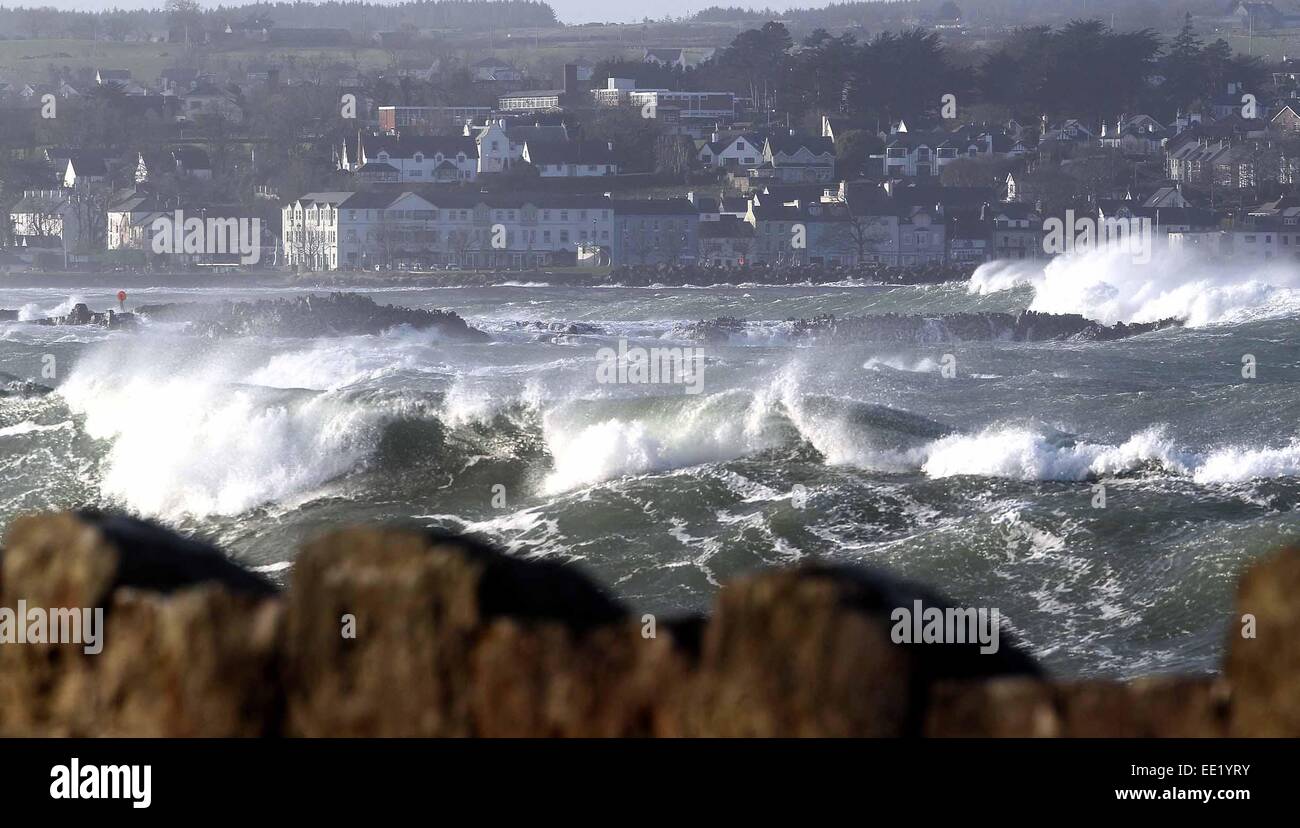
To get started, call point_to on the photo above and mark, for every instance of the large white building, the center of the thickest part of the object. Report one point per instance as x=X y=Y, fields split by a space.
x=328 y=231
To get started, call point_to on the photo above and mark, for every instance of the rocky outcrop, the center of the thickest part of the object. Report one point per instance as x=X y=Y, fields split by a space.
x=1027 y=326
x=335 y=314
x=406 y=632
x=82 y=315
x=15 y=386
x=1263 y=662
x=189 y=642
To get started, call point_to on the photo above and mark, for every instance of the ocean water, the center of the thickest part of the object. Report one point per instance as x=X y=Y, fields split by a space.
x=983 y=484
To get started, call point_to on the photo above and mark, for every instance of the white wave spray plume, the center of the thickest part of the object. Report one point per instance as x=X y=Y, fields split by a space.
x=1109 y=286
x=189 y=437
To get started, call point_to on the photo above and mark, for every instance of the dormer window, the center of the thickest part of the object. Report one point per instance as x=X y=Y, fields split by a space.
x=419 y=158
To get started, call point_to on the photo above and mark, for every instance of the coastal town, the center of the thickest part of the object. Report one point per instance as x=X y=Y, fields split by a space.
x=927 y=148
x=911 y=371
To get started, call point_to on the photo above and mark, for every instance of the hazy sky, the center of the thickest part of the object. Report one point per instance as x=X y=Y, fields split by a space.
x=570 y=11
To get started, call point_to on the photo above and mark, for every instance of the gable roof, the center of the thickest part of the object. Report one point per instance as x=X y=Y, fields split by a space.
x=408 y=146
x=87 y=163
x=572 y=152
x=791 y=144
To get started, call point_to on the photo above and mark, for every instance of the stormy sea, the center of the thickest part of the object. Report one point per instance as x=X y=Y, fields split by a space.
x=1101 y=491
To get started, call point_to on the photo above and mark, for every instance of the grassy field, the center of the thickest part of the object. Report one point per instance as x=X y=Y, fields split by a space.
x=30 y=60
x=1272 y=46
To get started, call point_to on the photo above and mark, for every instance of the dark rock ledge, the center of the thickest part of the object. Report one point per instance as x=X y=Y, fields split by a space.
x=456 y=639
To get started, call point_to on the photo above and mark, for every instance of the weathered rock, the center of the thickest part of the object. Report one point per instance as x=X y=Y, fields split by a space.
x=82 y=315
x=424 y=608
x=1026 y=326
x=542 y=681
x=454 y=638
x=1157 y=707
x=335 y=314
x=1160 y=707
x=782 y=657
x=1264 y=670
x=14 y=386
x=998 y=708
x=160 y=560
x=197 y=658
x=808 y=652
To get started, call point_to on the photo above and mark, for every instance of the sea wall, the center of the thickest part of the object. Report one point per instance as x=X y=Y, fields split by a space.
x=392 y=632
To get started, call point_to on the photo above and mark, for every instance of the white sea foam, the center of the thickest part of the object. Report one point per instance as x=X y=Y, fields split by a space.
x=1109 y=287
x=925 y=365
x=1237 y=464
x=1020 y=453
x=589 y=448
x=32 y=311
x=186 y=439
x=29 y=427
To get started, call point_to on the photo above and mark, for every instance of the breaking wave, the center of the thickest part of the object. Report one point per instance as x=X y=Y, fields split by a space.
x=1109 y=287
x=194 y=432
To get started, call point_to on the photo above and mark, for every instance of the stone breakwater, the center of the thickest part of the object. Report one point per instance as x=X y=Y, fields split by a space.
x=661 y=275
x=452 y=638
x=1026 y=326
x=334 y=314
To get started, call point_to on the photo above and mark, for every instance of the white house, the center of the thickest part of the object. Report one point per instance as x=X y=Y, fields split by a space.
x=45 y=218
x=800 y=159
x=350 y=230
x=500 y=145
x=731 y=151
x=208 y=101
x=411 y=158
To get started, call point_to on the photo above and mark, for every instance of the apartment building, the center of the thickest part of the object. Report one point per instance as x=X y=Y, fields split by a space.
x=328 y=231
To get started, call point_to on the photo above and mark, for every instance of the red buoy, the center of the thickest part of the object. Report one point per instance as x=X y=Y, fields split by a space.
x=121 y=299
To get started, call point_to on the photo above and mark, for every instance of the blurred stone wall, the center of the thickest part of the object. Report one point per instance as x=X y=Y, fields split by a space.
x=447 y=637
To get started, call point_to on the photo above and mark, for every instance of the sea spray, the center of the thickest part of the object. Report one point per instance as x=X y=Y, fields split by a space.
x=1109 y=287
